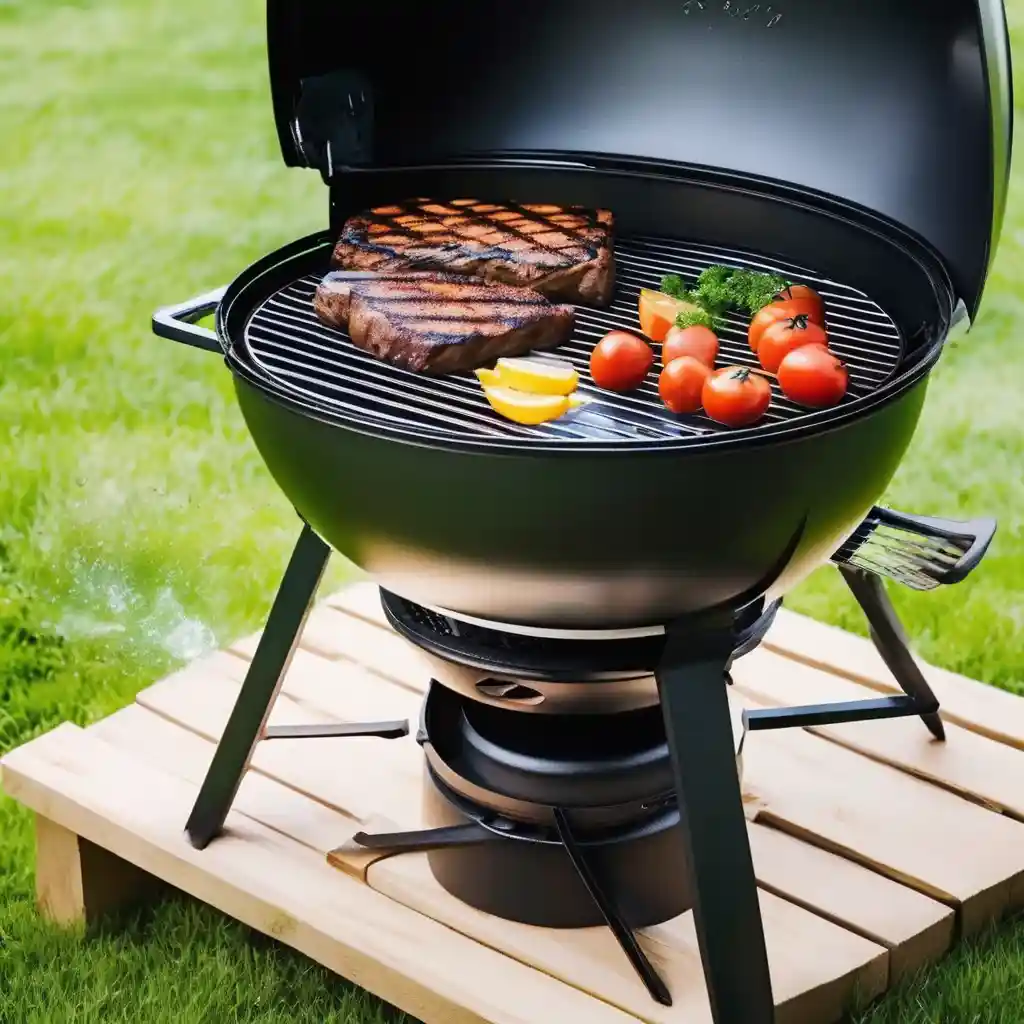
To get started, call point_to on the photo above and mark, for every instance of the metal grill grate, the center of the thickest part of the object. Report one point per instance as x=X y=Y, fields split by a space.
x=318 y=365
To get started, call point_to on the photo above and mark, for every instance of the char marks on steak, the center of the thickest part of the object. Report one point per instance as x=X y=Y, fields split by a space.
x=564 y=253
x=333 y=295
x=441 y=324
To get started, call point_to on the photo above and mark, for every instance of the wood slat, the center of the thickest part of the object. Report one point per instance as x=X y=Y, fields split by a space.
x=932 y=840
x=991 y=712
x=916 y=929
x=277 y=886
x=816 y=967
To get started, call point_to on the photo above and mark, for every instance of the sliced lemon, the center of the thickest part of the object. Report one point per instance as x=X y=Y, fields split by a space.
x=489 y=378
x=522 y=407
x=537 y=376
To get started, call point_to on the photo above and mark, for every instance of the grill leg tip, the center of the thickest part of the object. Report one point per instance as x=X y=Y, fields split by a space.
x=935 y=725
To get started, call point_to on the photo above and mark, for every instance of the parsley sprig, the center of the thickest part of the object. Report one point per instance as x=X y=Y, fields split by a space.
x=719 y=290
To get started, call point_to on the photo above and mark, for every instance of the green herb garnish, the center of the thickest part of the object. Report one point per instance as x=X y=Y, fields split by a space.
x=720 y=290
x=697 y=318
x=725 y=288
x=674 y=285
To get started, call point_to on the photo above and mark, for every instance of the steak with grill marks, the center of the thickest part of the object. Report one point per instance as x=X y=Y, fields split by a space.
x=564 y=252
x=442 y=323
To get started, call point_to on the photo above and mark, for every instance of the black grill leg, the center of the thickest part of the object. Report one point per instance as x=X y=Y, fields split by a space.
x=892 y=644
x=259 y=691
x=695 y=704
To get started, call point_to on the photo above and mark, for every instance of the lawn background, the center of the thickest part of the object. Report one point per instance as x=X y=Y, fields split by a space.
x=138 y=527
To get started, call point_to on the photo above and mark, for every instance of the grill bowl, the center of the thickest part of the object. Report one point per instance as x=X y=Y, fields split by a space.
x=603 y=532
x=587 y=540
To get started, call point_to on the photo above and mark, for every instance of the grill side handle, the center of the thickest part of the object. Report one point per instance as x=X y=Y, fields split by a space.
x=178 y=322
x=922 y=552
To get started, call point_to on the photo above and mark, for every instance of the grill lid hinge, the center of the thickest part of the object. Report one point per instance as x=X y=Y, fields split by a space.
x=333 y=123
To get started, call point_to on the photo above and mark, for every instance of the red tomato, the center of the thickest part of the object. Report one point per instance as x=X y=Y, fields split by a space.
x=736 y=396
x=785 y=335
x=807 y=297
x=699 y=342
x=772 y=314
x=620 y=361
x=681 y=383
x=813 y=376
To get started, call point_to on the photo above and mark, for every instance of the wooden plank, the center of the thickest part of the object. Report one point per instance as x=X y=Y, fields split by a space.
x=282 y=889
x=988 y=772
x=863 y=962
x=77 y=882
x=955 y=851
x=815 y=966
x=916 y=929
x=362 y=601
x=983 y=709
x=876 y=815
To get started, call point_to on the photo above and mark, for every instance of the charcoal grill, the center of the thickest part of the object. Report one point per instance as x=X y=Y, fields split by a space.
x=616 y=562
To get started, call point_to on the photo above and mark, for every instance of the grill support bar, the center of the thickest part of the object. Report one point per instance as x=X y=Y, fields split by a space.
x=247 y=724
x=262 y=684
x=695 y=704
x=892 y=644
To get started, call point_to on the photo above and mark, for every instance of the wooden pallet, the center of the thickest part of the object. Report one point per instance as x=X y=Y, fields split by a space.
x=874 y=846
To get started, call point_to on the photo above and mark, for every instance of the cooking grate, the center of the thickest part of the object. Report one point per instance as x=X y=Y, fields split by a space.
x=318 y=366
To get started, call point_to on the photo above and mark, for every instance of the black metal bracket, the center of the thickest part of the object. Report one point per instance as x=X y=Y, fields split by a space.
x=810 y=715
x=920 y=552
x=425 y=839
x=622 y=932
x=335 y=730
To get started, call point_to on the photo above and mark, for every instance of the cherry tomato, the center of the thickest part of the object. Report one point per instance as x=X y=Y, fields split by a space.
x=620 y=361
x=681 y=384
x=813 y=376
x=772 y=314
x=736 y=396
x=785 y=335
x=814 y=305
x=699 y=342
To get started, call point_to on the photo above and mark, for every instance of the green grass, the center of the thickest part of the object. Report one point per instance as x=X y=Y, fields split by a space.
x=138 y=165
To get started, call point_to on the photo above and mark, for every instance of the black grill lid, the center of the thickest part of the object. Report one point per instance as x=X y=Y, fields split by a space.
x=901 y=108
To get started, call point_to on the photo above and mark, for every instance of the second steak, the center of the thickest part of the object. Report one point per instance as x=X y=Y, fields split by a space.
x=437 y=325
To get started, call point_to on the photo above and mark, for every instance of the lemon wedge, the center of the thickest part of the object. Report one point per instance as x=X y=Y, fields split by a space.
x=537 y=376
x=489 y=378
x=522 y=407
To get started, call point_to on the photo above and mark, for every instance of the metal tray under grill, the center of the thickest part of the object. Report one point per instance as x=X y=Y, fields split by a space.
x=318 y=366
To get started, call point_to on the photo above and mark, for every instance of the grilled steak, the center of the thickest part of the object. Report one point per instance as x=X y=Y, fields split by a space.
x=334 y=293
x=562 y=252
x=442 y=323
